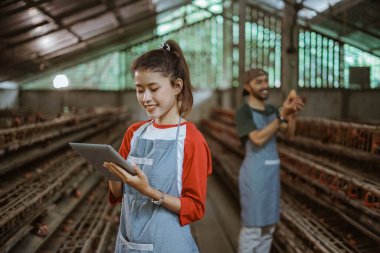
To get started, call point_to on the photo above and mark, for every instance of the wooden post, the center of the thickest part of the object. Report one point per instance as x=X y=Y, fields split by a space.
x=242 y=10
x=289 y=48
x=227 y=49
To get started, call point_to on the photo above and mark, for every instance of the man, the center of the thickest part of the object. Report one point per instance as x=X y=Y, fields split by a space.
x=259 y=178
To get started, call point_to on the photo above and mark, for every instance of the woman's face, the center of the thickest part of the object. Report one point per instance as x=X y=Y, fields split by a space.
x=157 y=96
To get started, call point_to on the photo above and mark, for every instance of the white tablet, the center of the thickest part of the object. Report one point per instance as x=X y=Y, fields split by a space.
x=97 y=154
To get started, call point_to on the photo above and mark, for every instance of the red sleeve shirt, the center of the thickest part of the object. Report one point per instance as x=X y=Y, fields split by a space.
x=195 y=169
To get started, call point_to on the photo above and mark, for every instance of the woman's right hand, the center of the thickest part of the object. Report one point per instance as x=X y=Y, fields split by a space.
x=139 y=181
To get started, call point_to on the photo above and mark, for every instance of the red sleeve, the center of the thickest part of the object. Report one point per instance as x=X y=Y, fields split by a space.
x=124 y=149
x=196 y=167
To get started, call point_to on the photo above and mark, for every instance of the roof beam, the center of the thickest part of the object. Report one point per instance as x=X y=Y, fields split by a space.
x=93 y=54
x=77 y=9
x=332 y=16
x=336 y=37
x=7 y=3
x=70 y=25
x=110 y=5
x=20 y=9
x=53 y=20
x=343 y=6
x=24 y=30
x=116 y=29
x=202 y=8
x=45 y=58
x=375 y=48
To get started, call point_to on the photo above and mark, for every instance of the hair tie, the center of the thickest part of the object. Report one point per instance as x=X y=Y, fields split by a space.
x=165 y=46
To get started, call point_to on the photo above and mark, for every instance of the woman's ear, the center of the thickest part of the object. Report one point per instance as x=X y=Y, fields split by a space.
x=178 y=84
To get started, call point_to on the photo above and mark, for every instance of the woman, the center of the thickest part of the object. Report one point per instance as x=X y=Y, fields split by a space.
x=170 y=157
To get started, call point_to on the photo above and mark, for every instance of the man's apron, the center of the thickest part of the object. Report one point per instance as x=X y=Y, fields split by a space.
x=259 y=179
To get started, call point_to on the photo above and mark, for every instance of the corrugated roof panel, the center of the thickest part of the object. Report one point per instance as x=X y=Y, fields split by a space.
x=6 y=8
x=61 y=8
x=164 y=17
x=83 y=14
x=364 y=39
x=32 y=33
x=51 y=42
x=135 y=9
x=375 y=28
x=13 y=56
x=62 y=51
x=119 y=2
x=21 y=20
x=93 y=27
x=163 y=5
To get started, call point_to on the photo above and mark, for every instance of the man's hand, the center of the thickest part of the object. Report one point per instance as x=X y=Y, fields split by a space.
x=139 y=181
x=292 y=104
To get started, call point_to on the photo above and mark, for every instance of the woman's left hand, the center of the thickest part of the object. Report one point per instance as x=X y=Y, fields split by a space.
x=139 y=181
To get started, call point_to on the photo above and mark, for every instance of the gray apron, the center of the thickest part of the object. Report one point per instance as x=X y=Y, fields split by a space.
x=259 y=179
x=144 y=226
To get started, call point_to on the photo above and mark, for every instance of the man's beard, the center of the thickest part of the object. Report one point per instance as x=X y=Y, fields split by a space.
x=258 y=96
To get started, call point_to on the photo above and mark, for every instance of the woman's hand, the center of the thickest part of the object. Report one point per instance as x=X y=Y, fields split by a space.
x=139 y=181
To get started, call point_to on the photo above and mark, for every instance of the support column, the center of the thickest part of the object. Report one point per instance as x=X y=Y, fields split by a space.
x=227 y=49
x=289 y=47
x=242 y=17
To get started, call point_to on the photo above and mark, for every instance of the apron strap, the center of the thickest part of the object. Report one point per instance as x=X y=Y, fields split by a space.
x=145 y=127
x=177 y=134
x=179 y=124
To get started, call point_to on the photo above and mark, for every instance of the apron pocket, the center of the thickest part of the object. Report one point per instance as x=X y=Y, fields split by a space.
x=140 y=160
x=136 y=246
